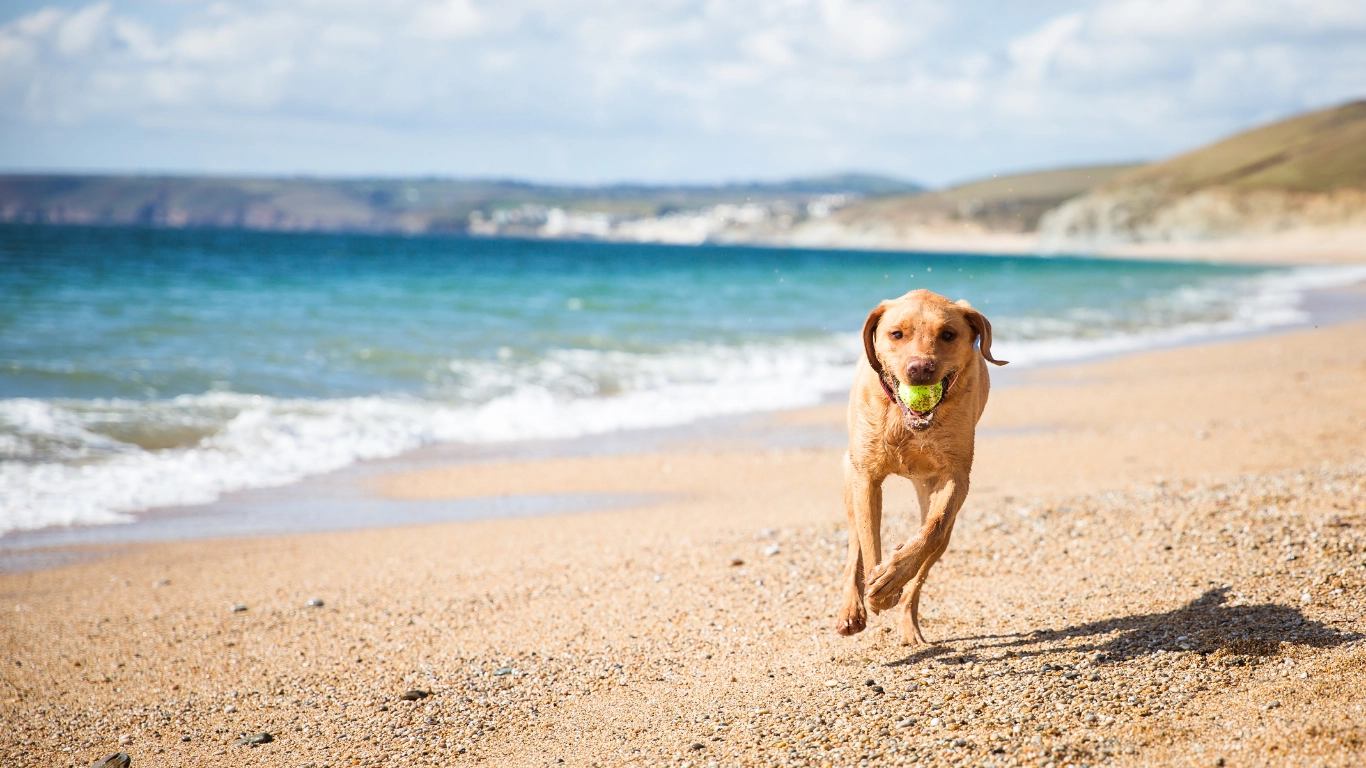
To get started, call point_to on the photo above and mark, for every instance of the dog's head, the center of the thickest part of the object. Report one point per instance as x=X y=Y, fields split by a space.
x=924 y=339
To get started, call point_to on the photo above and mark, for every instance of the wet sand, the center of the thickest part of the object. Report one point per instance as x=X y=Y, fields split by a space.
x=1162 y=561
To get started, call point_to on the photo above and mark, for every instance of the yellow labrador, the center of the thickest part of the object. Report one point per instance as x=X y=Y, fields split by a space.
x=919 y=339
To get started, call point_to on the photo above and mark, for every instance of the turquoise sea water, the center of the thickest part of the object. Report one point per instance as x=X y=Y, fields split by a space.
x=144 y=368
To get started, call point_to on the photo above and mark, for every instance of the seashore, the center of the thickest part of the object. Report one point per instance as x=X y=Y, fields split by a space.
x=1162 y=561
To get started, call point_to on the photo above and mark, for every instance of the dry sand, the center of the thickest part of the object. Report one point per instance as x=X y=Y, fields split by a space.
x=1163 y=561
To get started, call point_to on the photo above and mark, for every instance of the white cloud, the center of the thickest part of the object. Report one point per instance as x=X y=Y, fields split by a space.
x=79 y=31
x=1193 y=60
x=865 y=31
x=445 y=20
x=1033 y=53
x=604 y=89
x=38 y=23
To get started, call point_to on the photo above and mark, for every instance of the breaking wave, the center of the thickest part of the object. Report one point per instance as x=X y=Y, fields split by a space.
x=93 y=461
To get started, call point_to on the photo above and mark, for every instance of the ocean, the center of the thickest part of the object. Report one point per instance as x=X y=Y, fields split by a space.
x=145 y=368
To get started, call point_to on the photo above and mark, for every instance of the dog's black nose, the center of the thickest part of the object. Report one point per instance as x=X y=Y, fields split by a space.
x=920 y=370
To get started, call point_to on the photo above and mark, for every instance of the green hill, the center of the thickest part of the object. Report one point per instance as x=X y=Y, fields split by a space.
x=1316 y=152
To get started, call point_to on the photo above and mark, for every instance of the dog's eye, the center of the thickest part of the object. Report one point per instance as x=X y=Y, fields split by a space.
x=948 y=335
x=896 y=334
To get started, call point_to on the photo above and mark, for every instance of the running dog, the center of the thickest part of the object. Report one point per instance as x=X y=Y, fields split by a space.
x=920 y=339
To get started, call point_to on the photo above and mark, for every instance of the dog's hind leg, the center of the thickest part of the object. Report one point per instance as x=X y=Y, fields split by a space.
x=910 y=600
x=922 y=495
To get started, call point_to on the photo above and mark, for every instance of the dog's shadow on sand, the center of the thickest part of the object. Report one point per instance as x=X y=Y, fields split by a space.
x=1207 y=625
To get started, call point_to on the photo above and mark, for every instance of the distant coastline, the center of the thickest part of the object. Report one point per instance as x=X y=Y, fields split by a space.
x=411 y=206
x=1295 y=247
x=1290 y=192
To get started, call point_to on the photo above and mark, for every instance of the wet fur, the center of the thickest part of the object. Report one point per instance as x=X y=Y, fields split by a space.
x=937 y=460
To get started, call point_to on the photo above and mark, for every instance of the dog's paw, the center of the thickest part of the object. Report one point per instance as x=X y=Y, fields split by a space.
x=852 y=620
x=880 y=601
x=884 y=586
x=910 y=631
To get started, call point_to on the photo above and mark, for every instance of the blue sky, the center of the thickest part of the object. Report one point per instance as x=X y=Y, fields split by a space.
x=663 y=91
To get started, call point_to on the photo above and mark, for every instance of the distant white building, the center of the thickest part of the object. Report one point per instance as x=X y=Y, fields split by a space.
x=561 y=223
x=727 y=222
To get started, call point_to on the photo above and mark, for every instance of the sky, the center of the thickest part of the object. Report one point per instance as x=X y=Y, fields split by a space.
x=662 y=91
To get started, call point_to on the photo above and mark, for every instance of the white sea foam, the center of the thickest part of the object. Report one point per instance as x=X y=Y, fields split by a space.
x=1259 y=303
x=268 y=441
x=60 y=466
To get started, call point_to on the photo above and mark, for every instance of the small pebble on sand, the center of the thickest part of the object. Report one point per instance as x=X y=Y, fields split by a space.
x=251 y=740
x=413 y=695
x=238 y=607
x=315 y=602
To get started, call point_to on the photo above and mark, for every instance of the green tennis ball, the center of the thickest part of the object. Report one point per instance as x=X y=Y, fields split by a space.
x=921 y=399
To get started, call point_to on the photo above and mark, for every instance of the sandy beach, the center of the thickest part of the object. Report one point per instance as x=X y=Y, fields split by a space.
x=463 y=383
x=1161 y=562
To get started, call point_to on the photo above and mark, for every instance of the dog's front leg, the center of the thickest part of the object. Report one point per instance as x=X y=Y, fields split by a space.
x=887 y=579
x=863 y=507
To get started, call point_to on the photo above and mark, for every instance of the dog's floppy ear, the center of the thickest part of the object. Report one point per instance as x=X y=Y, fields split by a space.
x=982 y=327
x=870 y=335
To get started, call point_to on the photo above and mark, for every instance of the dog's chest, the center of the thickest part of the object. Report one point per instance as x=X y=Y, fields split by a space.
x=921 y=453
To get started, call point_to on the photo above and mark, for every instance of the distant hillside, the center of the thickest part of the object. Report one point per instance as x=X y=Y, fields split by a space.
x=1010 y=203
x=372 y=205
x=1304 y=173
x=864 y=184
x=998 y=213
